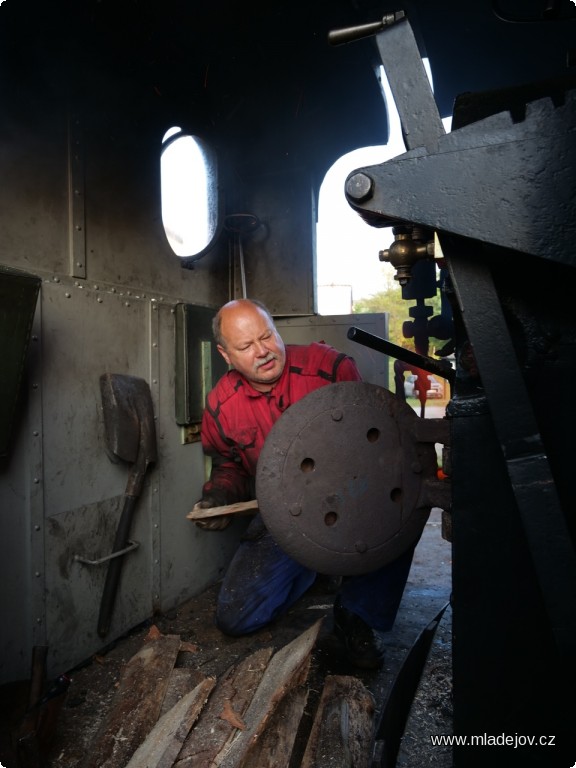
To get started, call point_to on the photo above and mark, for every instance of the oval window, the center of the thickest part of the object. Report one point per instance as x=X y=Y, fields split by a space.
x=189 y=192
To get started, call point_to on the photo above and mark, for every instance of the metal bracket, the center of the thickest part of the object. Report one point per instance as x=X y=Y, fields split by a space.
x=131 y=546
x=530 y=474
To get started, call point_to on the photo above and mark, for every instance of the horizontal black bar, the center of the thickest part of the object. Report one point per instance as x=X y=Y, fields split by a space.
x=439 y=367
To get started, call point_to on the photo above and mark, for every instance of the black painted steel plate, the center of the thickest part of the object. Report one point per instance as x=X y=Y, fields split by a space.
x=339 y=480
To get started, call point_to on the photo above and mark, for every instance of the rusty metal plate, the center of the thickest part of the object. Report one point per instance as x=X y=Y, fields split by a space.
x=340 y=479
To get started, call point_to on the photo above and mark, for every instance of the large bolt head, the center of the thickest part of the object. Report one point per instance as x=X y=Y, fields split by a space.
x=359 y=187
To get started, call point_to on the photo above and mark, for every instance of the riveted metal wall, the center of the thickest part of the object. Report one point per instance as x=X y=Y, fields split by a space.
x=109 y=285
x=62 y=496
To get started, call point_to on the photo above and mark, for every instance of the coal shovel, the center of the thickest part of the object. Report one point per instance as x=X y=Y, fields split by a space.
x=130 y=437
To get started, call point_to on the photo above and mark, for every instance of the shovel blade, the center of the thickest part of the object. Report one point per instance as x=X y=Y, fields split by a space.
x=128 y=417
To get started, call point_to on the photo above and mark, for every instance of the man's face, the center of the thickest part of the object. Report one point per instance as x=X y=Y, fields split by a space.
x=252 y=345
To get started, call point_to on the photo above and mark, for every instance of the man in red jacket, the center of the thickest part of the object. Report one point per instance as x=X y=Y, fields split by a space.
x=262 y=582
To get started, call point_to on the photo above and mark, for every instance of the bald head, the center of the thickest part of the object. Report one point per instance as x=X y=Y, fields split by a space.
x=248 y=340
x=233 y=309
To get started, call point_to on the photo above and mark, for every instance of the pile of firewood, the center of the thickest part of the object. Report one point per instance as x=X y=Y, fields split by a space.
x=164 y=716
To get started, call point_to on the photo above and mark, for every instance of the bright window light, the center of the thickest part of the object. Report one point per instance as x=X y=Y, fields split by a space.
x=189 y=193
x=347 y=263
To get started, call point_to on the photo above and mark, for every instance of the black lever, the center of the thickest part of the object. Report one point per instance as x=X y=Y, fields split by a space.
x=439 y=367
x=349 y=34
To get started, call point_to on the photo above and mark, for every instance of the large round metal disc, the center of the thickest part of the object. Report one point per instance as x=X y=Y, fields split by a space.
x=340 y=476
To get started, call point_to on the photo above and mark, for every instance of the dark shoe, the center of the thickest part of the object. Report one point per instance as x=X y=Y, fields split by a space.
x=358 y=639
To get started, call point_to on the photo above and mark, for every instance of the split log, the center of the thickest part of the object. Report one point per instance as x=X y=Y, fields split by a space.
x=275 y=748
x=342 y=734
x=239 y=508
x=215 y=729
x=287 y=669
x=182 y=681
x=164 y=742
x=137 y=703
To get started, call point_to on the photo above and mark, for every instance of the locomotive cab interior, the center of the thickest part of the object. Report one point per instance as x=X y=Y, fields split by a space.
x=160 y=158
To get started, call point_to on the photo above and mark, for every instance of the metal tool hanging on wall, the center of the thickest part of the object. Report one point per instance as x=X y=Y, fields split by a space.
x=130 y=437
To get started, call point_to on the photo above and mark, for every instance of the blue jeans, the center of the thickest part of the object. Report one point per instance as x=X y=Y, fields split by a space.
x=262 y=582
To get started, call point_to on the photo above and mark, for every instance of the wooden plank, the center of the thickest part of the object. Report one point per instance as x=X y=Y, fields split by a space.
x=137 y=702
x=287 y=669
x=342 y=734
x=239 y=508
x=214 y=731
x=162 y=745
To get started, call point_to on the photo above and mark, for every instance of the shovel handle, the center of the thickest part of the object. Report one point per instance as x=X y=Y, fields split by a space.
x=115 y=566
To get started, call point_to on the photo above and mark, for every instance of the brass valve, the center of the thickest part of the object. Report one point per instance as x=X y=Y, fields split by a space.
x=410 y=245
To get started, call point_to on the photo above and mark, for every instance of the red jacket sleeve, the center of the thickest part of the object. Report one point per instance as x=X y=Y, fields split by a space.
x=347 y=370
x=227 y=476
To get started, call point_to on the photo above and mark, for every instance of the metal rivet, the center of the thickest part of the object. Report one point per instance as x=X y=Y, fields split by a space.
x=360 y=546
x=337 y=415
x=296 y=510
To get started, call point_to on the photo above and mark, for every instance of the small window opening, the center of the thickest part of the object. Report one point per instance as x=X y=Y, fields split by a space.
x=189 y=188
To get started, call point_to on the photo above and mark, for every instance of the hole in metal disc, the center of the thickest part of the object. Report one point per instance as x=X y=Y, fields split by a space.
x=373 y=435
x=396 y=495
x=330 y=518
x=307 y=465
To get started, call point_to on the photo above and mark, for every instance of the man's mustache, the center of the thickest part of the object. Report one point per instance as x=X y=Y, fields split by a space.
x=270 y=356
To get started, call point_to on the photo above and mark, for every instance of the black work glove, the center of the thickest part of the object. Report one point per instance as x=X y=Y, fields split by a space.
x=215 y=498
